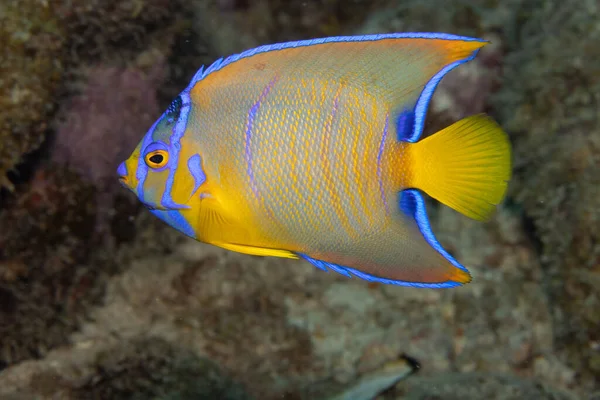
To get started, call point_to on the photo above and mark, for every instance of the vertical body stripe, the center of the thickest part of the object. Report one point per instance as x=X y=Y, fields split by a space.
x=195 y=167
x=248 y=141
x=326 y=156
x=379 y=158
x=175 y=143
x=324 y=147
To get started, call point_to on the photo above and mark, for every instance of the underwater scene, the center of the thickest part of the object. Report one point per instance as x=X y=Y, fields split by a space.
x=304 y=200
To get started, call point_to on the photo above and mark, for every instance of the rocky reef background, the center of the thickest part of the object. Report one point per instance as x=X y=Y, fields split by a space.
x=100 y=300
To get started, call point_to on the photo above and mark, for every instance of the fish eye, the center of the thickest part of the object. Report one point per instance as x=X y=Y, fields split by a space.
x=156 y=159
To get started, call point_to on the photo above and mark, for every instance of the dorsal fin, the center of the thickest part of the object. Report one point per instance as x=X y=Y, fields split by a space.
x=402 y=69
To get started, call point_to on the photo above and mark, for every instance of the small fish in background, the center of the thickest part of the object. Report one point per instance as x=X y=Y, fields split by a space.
x=312 y=150
x=374 y=383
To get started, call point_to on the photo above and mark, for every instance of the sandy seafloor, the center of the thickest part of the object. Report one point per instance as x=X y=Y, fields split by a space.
x=99 y=300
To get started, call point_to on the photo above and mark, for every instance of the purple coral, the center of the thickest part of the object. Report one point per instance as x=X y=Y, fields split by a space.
x=105 y=121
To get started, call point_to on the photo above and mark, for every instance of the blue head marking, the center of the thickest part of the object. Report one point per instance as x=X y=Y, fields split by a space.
x=175 y=115
x=181 y=107
x=195 y=167
x=122 y=170
x=176 y=220
x=154 y=177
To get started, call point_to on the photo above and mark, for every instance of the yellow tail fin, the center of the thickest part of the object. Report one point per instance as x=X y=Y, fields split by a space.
x=465 y=166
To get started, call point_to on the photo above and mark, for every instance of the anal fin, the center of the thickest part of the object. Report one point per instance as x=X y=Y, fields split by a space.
x=413 y=206
x=349 y=272
x=416 y=258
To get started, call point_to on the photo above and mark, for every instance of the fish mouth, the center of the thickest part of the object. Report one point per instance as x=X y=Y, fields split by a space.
x=124 y=182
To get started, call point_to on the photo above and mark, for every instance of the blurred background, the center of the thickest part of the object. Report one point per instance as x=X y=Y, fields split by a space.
x=100 y=300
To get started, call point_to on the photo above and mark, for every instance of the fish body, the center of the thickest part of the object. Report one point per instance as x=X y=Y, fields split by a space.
x=311 y=150
x=374 y=383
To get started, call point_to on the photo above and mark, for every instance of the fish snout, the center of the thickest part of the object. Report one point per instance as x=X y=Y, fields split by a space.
x=122 y=172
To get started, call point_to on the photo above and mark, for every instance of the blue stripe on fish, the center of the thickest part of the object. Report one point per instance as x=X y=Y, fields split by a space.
x=122 y=170
x=179 y=109
x=195 y=166
x=197 y=76
x=379 y=157
x=183 y=107
x=405 y=123
x=425 y=97
x=220 y=63
x=348 y=272
x=412 y=204
x=327 y=171
x=249 y=127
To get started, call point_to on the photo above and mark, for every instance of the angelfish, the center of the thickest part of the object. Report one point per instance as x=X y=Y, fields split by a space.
x=311 y=149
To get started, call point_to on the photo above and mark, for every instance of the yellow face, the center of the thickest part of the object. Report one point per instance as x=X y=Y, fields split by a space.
x=165 y=169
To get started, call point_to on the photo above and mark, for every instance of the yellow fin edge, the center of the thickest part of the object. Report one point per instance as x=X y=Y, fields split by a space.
x=256 y=251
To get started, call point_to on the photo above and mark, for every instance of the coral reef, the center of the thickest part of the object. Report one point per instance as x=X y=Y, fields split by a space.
x=143 y=367
x=45 y=284
x=30 y=72
x=115 y=29
x=238 y=24
x=550 y=102
x=119 y=51
x=153 y=368
x=103 y=123
x=45 y=40
x=284 y=328
x=52 y=266
x=476 y=386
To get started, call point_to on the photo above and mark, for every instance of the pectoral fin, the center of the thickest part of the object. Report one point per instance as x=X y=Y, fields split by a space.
x=256 y=251
x=224 y=230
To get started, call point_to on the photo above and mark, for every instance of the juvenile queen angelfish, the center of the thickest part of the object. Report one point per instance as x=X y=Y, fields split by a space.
x=311 y=150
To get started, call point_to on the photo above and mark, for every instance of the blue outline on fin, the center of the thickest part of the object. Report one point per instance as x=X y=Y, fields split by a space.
x=412 y=204
x=422 y=103
x=427 y=93
x=222 y=62
x=348 y=272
